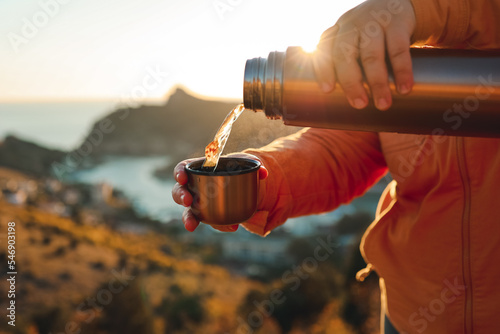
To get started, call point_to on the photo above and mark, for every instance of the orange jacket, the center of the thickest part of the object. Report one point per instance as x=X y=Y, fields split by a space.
x=436 y=238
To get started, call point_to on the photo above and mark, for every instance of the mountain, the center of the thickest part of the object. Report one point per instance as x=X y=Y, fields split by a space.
x=180 y=128
x=28 y=157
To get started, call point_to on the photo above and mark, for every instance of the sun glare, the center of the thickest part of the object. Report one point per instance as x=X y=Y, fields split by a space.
x=310 y=46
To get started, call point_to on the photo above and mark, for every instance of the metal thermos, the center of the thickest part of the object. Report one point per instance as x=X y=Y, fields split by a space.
x=456 y=92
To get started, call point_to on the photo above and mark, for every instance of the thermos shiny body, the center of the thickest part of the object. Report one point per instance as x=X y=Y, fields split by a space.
x=456 y=92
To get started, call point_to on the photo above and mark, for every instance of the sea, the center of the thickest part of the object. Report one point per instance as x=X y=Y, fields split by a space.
x=61 y=125
x=64 y=125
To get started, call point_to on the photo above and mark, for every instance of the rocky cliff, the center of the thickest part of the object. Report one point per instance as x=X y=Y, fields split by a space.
x=180 y=128
x=28 y=157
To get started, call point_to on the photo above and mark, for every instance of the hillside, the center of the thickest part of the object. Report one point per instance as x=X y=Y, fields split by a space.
x=62 y=266
x=97 y=267
x=97 y=280
x=28 y=157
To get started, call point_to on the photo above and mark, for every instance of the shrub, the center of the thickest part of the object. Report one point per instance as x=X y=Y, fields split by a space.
x=180 y=310
x=127 y=313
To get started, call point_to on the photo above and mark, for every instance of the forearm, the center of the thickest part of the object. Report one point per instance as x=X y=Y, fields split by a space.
x=315 y=171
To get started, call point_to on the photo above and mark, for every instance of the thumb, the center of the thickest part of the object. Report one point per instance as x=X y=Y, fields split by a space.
x=322 y=59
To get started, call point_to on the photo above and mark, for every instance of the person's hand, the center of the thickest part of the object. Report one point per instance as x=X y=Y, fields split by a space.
x=359 y=43
x=182 y=196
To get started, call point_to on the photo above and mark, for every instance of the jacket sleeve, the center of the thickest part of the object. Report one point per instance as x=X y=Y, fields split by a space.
x=457 y=23
x=314 y=171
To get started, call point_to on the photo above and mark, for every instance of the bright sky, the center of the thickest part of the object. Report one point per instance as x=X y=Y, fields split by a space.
x=73 y=49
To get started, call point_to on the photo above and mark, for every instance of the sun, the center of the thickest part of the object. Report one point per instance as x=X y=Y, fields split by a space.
x=309 y=46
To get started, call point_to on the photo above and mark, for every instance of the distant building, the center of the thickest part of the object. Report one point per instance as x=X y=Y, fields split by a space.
x=71 y=196
x=53 y=186
x=90 y=217
x=102 y=193
x=17 y=198
x=55 y=207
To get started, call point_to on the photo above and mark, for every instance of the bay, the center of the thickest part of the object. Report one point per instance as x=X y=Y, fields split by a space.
x=134 y=177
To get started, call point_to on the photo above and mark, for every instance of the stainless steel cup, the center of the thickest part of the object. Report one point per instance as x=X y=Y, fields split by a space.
x=227 y=195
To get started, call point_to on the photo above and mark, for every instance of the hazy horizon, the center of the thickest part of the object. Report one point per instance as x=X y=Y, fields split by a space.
x=64 y=124
x=55 y=49
x=116 y=99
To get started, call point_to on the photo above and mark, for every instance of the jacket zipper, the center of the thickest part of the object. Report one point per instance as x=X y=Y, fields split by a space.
x=466 y=269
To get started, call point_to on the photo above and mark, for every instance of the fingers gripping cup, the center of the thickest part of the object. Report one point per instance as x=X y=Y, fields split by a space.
x=227 y=195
